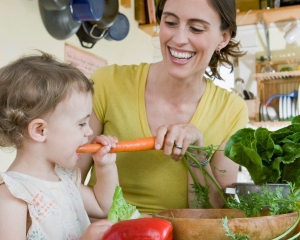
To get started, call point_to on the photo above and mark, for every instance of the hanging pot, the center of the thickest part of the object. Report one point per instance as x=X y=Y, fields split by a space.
x=87 y=10
x=111 y=10
x=89 y=34
x=59 y=23
x=120 y=28
x=55 y=4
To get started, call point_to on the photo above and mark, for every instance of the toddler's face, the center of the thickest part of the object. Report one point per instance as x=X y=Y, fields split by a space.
x=68 y=128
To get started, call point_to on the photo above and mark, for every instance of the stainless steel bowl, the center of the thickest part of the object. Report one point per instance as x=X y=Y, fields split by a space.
x=243 y=189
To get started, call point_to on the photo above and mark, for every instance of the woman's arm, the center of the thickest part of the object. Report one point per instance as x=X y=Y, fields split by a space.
x=13 y=216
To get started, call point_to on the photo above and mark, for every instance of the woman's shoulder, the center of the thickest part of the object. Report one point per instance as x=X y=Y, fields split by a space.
x=119 y=70
x=223 y=94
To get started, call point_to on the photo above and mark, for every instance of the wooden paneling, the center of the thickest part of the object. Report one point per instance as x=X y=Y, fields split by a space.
x=126 y=3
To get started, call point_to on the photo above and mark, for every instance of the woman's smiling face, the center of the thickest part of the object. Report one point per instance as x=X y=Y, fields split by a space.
x=189 y=35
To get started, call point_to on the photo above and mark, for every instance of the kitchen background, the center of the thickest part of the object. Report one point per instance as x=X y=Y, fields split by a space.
x=22 y=31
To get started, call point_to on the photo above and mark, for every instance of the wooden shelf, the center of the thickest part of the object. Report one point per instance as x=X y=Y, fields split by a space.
x=271 y=15
x=126 y=3
x=151 y=29
x=270 y=125
x=252 y=17
x=276 y=75
x=269 y=84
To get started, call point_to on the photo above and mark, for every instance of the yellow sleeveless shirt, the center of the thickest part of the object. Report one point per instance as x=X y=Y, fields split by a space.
x=149 y=179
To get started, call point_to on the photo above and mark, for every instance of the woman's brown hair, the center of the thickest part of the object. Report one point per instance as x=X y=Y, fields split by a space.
x=227 y=12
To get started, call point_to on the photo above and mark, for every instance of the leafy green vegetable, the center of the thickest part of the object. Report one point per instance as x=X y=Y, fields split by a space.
x=120 y=209
x=269 y=156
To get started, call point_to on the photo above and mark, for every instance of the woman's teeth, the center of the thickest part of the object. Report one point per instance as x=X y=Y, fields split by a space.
x=181 y=55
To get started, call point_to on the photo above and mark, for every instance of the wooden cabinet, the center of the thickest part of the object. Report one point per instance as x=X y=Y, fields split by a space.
x=278 y=82
x=251 y=17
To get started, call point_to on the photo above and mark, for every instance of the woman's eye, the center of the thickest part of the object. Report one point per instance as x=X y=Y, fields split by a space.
x=171 y=24
x=196 y=30
x=82 y=124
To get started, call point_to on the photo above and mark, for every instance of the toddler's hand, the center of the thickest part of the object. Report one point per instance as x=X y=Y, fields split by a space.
x=96 y=230
x=103 y=157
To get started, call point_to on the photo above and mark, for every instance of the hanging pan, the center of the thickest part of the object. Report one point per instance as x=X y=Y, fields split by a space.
x=89 y=35
x=59 y=23
x=55 y=4
x=111 y=10
x=119 y=30
x=87 y=10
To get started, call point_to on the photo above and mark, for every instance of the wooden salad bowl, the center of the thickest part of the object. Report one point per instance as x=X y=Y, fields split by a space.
x=207 y=224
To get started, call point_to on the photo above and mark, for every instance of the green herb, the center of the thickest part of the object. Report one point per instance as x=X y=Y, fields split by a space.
x=275 y=201
x=120 y=209
x=201 y=192
x=269 y=156
x=230 y=234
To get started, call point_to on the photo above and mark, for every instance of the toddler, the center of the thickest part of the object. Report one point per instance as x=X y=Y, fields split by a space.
x=45 y=107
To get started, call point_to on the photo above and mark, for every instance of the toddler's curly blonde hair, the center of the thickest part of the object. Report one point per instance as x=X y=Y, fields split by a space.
x=31 y=87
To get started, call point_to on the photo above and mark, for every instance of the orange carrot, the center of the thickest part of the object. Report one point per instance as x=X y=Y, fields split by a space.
x=140 y=144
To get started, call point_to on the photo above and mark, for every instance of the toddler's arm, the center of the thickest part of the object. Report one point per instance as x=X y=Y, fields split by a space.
x=97 y=201
x=13 y=216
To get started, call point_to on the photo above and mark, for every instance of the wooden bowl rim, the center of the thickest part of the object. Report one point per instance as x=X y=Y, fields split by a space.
x=158 y=214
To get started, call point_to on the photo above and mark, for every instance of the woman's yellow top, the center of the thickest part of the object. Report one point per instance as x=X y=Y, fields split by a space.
x=149 y=179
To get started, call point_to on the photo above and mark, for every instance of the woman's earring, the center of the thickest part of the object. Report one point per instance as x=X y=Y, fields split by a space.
x=218 y=51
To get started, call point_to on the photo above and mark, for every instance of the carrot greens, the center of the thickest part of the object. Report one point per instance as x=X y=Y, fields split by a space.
x=201 y=192
x=275 y=201
x=230 y=234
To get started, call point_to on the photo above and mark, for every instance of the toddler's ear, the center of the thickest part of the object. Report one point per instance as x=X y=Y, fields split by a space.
x=37 y=129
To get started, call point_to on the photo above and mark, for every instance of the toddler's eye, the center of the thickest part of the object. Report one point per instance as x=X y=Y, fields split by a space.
x=82 y=124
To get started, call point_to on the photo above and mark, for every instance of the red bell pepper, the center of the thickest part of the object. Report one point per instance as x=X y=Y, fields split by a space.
x=140 y=229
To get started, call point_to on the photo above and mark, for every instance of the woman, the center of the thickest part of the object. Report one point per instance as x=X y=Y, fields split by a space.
x=175 y=102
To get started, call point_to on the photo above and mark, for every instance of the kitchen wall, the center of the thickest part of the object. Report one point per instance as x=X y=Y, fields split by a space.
x=22 y=30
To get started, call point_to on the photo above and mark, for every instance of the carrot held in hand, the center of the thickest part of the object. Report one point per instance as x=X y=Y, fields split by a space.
x=140 y=144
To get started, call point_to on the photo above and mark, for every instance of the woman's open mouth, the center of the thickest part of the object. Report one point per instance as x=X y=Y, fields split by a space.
x=181 y=55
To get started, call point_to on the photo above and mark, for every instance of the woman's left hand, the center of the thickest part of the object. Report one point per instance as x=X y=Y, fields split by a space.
x=175 y=139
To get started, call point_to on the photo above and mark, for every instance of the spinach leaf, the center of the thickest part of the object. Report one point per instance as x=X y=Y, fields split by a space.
x=269 y=156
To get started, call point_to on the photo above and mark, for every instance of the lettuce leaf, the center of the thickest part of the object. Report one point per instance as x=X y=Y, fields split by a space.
x=120 y=209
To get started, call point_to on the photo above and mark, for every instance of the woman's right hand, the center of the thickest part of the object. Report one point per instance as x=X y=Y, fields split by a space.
x=175 y=139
